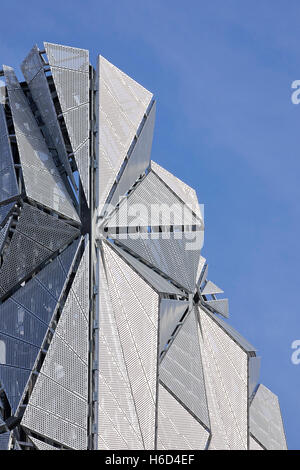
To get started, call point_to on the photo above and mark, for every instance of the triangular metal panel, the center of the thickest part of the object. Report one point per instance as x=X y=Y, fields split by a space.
x=183 y=191
x=170 y=312
x=64 y=375
x=181 y=370
x=226 y=378
x=40 y=445
x=220 y=306
x=33 y=71
x=71 y=58
x=159 y=283
x=139 y=159
x=24 y=320
x=177 y=429
x=266 y=421
x=135 y=306
x=122 y=105
x=211 y=288
x=42 y=180
x=118 y=425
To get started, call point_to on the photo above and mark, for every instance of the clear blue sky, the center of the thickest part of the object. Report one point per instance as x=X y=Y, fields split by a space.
x=221 y=72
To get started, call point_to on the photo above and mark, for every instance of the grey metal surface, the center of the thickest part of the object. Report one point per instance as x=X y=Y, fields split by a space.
x=24 y=320
x=36 y=237
x=70 y=72
x=33 y=71
x=4 y=233
x=181 y=370
x=159 y=283
x=177 y=429
x=4 y=440
x=122 y=105
x=253 y=445
x=226 y=377
x=135 y=307
x=119 y=429
x=5 y=211
x=211 y=288
x=170 y=312
x=139 y=159
x=8 y=180
x=42 y=180
x=266 y=421
x=64 y=375
x=254 y=372
x=219 y=306
x=40 y=445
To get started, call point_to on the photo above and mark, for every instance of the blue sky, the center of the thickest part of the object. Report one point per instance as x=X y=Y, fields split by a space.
x=222 y=73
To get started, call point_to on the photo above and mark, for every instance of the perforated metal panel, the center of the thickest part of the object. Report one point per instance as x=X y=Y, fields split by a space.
x=226 y=377
x=211 y=288
x=185 y=192
x=3 y=234
x=118 y=423
x=135 y=306
x=64 y=374
x=33 y=71
x=266 y=421
x=219 y=306
x=253 y=445
x=40 y=445
x=14 y=380
x=8 y=180
x=5 y=211
x=80 y=285
x=181 y=370
x=42 y=180
x=4 y=440
x=139 y=159
x=235 y=335
x=36 y=237
x=170 y=312
x=158 y=283
x=70 y=72
x=122 y=105
x=177 y=429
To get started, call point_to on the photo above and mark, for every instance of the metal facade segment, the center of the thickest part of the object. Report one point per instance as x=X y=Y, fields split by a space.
x=220 y=306
x=33 y=71
x=182 y=372
x=253 y=445
x=42 y=180
x=170 y=312
x=177 y=429
x=8 y=181
x=266 y=421
x=211 y=288
x=226 y=378
x=122 y=105
x=139 y=159
x=135 y=306
x=41 y=445
x=118 y=422
x=71 y=58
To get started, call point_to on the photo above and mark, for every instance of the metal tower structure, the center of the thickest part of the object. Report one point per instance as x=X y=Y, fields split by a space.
x=111 y=334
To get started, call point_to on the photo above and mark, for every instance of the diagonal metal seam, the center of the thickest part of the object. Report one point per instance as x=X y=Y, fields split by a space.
x=50 y=331
x=121 y=346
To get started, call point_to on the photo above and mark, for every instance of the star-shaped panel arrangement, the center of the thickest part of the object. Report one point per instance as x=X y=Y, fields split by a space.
x=111 y=334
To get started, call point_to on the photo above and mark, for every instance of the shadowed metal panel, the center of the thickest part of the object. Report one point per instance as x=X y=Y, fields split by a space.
x=42 y=445
x=158 y=283
x=177 y=429
x=170 y=312
x=25 y=316
x=3 y=234
x=70 y=73
x=139 y=159
x=254 y=371
x=35 y=238
x=181 y=369
x=253 y=445
x=226 y=376
x=42 y=180
x=4 y=211
x=118 y=426
x=185 y=192
x=64 y=374
x=122 y=105
x=8 y=180
x=266 y=421
x=33 y=71
x=4 y=441
x=135 y=306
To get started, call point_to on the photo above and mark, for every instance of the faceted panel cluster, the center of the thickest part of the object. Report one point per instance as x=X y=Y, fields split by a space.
x=111 y=334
